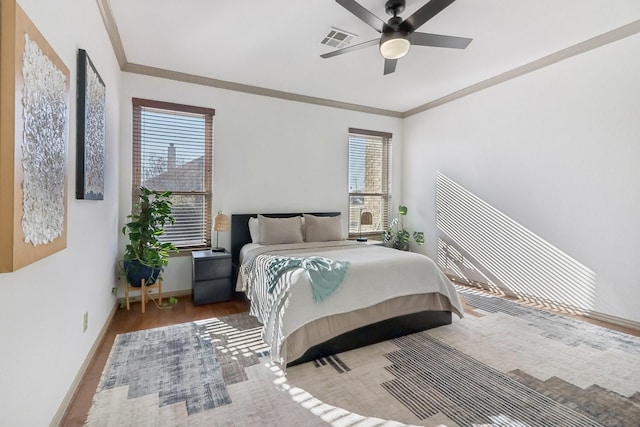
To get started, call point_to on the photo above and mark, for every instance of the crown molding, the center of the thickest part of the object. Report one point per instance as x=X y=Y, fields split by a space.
x=116 y=42
x=254 y=90
x=112 y=31
x=577 y=49
x=582 y=47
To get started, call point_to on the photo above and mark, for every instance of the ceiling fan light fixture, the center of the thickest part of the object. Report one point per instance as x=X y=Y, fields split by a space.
x=394 y=45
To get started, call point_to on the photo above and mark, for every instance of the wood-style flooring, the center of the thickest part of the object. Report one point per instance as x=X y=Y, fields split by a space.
x=184 y=311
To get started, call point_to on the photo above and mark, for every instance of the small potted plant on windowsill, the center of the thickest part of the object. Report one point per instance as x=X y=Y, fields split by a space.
x=145 y=255
x=396 y=236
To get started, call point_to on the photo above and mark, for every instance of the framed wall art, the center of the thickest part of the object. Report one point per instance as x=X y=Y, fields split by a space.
x=34 y=132
x=90 y=130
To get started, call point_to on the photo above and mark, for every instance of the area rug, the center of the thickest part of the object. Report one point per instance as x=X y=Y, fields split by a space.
x=503 y=365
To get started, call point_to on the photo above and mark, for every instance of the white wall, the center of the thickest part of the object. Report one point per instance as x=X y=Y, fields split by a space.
x=270 y=155
x=556 y=150
x=43 y=345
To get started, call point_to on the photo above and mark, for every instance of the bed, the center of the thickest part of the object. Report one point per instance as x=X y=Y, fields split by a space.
x=385 y=293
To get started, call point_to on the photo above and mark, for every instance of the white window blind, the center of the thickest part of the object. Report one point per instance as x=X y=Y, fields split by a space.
x=369 y=180
x=172 y=151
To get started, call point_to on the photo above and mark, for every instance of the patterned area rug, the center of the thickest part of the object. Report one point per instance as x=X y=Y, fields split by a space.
x=508 y=365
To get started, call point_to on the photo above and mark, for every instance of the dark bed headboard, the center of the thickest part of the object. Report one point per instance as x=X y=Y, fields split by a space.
x=240 y=229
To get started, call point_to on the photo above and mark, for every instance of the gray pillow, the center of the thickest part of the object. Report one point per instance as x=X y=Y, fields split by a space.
x=274 y=231
x=323 y=228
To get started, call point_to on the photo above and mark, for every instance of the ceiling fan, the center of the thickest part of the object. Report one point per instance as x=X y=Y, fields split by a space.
x=397 y=34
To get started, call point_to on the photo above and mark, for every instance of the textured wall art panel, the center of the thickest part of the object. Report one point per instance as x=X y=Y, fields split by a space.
x=34 y=133
x=90 y=130
x=43 y=147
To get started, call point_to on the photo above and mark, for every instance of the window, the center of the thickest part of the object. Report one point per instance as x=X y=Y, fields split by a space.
x=172 y=151
x=369 y=180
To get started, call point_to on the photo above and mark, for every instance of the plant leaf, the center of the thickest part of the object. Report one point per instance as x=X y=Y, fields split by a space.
x=418 y=236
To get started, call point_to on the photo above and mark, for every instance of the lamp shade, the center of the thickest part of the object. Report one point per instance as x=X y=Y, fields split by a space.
x=394 y=45
x=221 y=222
x=366 y=218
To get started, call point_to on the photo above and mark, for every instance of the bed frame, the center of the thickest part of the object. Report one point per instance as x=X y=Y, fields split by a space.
x=366 y=335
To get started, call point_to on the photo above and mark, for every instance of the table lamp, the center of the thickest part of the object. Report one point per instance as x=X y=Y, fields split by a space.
x=220 y=223
x=366 y=218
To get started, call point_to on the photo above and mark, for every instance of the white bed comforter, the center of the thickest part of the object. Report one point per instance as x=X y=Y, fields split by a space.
x=375 y=274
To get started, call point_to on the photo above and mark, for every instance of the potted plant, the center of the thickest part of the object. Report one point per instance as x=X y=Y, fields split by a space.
x=396 y=236
x=145 y=255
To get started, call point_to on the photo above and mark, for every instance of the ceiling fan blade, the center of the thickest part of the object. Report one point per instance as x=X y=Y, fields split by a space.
x=426 y=12
x=439 y=40
x=369 y=18
x=351 y=48
x=389 y=66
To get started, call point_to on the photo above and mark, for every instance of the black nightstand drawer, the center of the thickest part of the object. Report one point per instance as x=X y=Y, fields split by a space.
x=211 y=277
x=212 y=268
x=208 y=291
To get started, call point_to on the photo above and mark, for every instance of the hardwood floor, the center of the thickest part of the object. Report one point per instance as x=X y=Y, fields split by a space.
x=184 y=311
x=133 y=320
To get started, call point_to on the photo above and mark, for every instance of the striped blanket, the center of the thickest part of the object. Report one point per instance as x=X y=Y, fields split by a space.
x=267 y=279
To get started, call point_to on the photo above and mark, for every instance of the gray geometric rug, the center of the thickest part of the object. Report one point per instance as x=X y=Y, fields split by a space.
x=168 y=361
x=508 y=365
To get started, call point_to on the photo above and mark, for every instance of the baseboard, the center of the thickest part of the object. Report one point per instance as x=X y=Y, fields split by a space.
x=58 y=417
x=602 y=317
x=619 y=321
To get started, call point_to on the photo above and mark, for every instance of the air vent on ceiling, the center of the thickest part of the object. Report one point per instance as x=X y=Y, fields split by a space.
x=338 y=38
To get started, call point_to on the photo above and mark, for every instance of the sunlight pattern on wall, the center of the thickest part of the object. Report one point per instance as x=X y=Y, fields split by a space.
x=460 y=269
x=521 y=262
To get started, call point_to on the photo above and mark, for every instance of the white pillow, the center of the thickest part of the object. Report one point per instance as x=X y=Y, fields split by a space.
x=323 y=228
x=274 y=231
x=254 y=230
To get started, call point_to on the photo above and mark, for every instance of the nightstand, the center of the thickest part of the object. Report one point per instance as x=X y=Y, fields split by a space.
x=210 y=276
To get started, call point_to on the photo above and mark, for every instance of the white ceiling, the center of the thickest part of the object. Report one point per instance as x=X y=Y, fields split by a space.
x=276 y=45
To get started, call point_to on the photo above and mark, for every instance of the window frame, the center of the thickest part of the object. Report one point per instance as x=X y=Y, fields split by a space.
x=138 y=105
x=386 y=170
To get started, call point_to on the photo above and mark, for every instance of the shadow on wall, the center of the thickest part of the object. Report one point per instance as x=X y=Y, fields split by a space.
x=482 y=246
